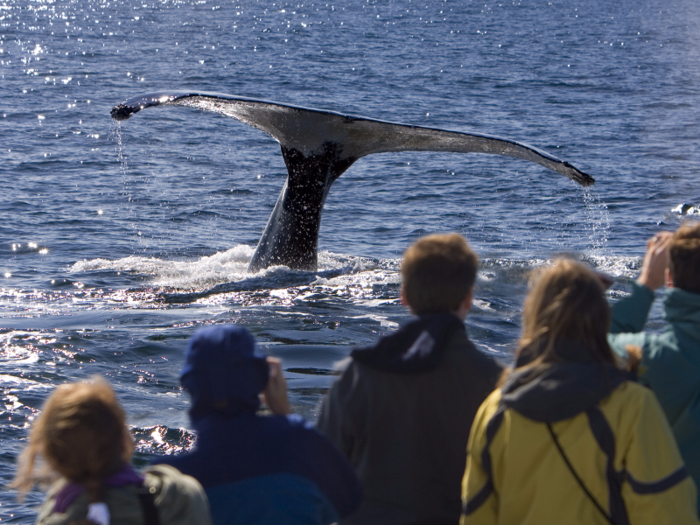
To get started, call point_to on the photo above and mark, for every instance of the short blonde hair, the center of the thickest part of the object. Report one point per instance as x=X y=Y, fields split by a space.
x=685 y=257
x=81 y=434
x=438 y=273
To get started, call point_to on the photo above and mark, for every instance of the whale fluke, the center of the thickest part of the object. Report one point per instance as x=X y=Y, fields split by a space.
x=317 y=147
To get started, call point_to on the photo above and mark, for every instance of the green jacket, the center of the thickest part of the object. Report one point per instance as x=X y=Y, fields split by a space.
x=179 y=500
x=670 y=362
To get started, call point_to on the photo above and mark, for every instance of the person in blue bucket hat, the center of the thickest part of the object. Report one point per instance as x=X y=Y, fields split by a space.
x=257 y=469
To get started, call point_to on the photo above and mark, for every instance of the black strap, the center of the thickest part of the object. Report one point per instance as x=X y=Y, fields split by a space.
x=480 y=498
x=150 y=512
x=575 y=474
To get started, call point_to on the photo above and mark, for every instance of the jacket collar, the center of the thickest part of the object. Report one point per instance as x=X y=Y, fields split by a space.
x=561 y=390
x=415 y=348
x=682 y=307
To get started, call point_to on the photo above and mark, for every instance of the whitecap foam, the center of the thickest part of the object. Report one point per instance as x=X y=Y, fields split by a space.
x=627 y=267
x=686 y=209
x=205 y=272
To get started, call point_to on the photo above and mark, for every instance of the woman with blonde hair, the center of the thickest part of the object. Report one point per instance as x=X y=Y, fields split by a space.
x=82 y=439
x=569 y=438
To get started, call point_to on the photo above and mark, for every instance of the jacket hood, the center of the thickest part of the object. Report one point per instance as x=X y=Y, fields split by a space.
x=416 y=347
x=224 y=371
x=561 y=390
x=682 y=309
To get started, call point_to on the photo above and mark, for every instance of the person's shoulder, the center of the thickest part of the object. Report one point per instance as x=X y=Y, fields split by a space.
x=292 y=429
x=460 y=344
x=303 y=440
x=631 y=390
x=356 y=376
x=302 y=432
x=163 y=477
x=295 y=422
x=47 y=516
x=493 y=400
x=488 y=409
x=627 y=402
x=179 y=498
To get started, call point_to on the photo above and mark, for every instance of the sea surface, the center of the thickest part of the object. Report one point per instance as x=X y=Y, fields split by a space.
x=118 y=241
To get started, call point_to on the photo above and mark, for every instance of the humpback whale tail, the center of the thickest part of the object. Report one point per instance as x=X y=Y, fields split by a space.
x=317 y=147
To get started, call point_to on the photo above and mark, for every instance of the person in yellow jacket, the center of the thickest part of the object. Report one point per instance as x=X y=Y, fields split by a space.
x=569 y=438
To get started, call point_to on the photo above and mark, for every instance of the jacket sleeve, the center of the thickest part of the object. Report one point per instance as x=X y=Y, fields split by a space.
x=341 y=411
x=330 y=471
x=479 y=503
x=629 y=315
x=179 y=498
x=657 y=488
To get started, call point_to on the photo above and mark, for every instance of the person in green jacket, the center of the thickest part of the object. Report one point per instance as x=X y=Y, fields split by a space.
x=670 y=360
x=82 y=439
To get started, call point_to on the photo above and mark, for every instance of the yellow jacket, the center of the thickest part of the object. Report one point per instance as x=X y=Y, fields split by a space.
x=516 y=475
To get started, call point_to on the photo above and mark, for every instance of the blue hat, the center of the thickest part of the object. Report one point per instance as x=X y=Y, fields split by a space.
x=224 y=371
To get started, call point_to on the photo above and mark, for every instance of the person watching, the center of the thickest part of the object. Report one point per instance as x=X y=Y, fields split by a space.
x=670 y=360
x=402 y=409
x=82 y=436
x=256 y=469
x=569 y=437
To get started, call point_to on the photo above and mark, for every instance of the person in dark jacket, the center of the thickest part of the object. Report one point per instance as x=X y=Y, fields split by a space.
x=670 y=360
x=402 y=409
x=257 y=469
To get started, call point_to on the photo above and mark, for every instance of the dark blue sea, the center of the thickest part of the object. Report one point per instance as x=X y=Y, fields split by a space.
x=109 y=232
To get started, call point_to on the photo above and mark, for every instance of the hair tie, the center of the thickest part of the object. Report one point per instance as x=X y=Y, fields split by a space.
x=98 y=513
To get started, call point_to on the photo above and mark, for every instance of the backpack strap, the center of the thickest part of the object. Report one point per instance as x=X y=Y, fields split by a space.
x=147 y=499
x=577 y=477
x=606 y=441
x=468 y=507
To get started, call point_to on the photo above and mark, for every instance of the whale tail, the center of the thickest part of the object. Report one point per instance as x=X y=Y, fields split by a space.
x=318 y=146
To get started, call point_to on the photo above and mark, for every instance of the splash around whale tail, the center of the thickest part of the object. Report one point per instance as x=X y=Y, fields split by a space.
x=318 y=146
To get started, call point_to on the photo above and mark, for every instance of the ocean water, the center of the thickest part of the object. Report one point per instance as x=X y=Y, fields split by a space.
x=117 y=241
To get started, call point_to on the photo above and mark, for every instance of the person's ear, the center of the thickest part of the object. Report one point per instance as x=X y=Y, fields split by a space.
x=465 y=305
x=469 y=300
x=669 y=278
x=404 y=301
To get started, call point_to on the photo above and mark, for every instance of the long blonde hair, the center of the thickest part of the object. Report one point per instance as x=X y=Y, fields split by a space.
x=81 y=434
x=566 y=302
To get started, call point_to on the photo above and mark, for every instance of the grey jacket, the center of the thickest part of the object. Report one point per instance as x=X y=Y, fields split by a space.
x=406 y=433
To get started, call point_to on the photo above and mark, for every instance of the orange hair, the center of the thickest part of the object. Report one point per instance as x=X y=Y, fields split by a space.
x=81 y=434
